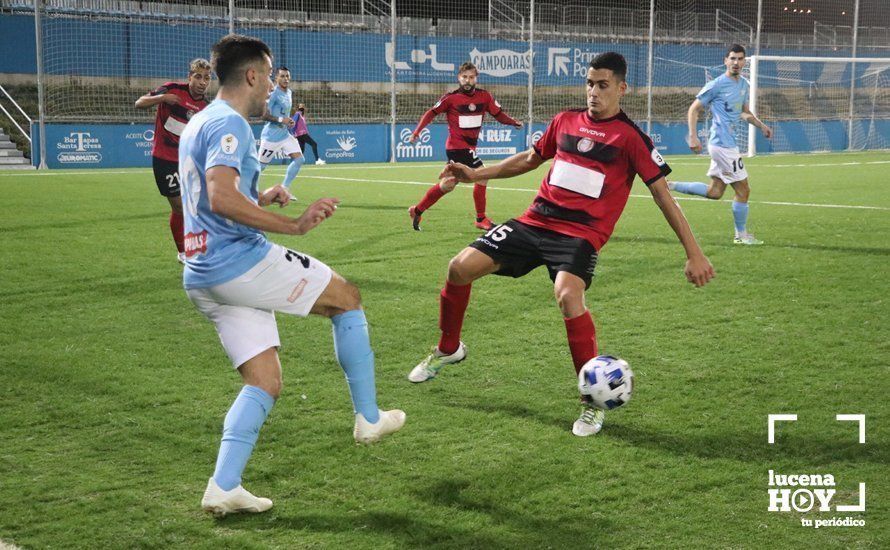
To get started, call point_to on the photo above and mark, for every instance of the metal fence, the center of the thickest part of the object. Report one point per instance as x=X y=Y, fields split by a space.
x=387 y=61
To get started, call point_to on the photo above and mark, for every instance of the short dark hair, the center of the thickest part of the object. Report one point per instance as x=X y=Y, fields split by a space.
x=232 y=52
x=281 y=68
x=613 y=61
x=467 y=67
x=735 y=48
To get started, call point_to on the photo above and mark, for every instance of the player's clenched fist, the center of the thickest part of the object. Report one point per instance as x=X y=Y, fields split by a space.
x=699 y=270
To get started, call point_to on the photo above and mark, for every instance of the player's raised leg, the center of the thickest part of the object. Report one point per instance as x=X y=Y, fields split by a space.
x=469 y=265
x=431 y=197
x=581 y=334
x=341 y=302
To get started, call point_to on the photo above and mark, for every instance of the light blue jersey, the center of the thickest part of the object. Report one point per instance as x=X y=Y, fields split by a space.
x=725 y=96
x=217 y=249
x=279 y=105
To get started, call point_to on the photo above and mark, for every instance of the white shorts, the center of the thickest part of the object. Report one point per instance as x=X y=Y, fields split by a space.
x=243 y=309
x=726 y=164
x=288 y=146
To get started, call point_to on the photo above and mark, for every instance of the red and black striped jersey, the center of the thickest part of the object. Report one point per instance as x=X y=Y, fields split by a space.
x=465 y=113
x=595 y=163
x=170 y=120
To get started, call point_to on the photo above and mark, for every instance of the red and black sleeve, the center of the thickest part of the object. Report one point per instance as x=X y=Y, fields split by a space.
x=546 y=146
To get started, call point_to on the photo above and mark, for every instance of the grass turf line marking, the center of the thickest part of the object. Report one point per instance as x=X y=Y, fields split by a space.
x=774 y=203
x=401 y=165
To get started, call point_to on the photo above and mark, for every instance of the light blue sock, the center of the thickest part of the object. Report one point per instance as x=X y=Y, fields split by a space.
x=691 y=188
x=263 y=166
x=352 y=344
x=292 y=170
x=240 y=431
x=740 y=216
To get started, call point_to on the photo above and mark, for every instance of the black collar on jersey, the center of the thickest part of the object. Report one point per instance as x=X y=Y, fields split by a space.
x=611 y=118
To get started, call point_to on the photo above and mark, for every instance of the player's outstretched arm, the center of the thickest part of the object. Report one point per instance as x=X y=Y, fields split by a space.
x=149 y=100
x=425 y=120
x=692 y=123
x=227 y=201
x=698 y=268
x=752 y=119
x=520 y=163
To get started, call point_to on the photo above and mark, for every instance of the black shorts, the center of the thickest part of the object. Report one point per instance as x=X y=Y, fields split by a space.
x=520 y=248
x=464 y=156
x=166 y=176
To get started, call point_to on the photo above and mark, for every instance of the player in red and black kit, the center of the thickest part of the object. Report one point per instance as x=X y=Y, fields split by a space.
x=597 y=153
x=177 y=102
x=465 y=108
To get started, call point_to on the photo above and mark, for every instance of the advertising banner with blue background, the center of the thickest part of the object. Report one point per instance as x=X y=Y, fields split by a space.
x=416 y=59
x=129 y=145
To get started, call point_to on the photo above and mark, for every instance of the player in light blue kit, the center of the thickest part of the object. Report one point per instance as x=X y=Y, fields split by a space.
x=276 y=134
x=727 y=97
x=238 y=279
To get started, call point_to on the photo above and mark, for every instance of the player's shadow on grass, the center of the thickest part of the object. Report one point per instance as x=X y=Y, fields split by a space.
x=748 y=446
x=478 y=403
x=726 y=243
x=54 y=224
x=527 y=530
x=411 y=530
x=352 y=206
x=510 y=526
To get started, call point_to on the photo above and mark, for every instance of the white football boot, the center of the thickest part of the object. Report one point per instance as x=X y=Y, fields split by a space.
x=389 y=422
x=320 y=162
x=746 y=238
x=590 y=422
x=220 y=503
x=434 y=362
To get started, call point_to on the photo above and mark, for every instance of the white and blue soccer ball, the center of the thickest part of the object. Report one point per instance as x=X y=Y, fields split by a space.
x=607 y=381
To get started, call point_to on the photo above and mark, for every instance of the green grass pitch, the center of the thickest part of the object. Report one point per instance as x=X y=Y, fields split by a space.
x=113 y=388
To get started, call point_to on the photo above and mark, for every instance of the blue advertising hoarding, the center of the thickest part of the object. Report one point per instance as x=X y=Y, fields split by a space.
x=129 y=145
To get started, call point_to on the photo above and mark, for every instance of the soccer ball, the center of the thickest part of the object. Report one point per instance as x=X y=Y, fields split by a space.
x=607 y=381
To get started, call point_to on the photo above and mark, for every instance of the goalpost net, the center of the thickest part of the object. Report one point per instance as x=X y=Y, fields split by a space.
x=820 y=103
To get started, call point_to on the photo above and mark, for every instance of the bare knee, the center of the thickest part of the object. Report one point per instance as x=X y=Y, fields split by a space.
x=272 y=386
x=339 y=297
x=352 y=297
x=264 y=372
x=570 y=301
x=458 y=274
x=742 y=191
x=447 y=187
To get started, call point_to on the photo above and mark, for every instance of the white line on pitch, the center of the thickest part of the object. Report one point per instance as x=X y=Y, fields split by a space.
x=494 y=188
x=405 y=165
